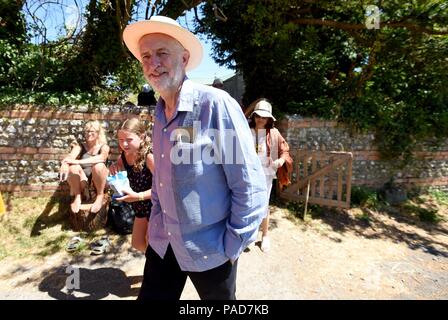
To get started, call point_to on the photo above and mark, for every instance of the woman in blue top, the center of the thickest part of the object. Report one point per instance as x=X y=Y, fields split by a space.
x=138 y=161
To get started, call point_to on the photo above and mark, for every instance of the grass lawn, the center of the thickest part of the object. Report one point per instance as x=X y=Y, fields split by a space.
x=37 y=227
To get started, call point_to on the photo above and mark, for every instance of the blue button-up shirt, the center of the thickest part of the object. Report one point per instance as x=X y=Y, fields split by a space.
x=209 y=193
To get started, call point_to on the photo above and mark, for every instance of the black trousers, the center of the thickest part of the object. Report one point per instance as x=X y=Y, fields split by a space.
x=164 y=280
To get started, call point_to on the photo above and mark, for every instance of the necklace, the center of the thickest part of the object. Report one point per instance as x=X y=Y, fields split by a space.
x=258 y=146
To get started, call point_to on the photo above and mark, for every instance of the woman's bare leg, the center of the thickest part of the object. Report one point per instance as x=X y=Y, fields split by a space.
x=265 y=241
x=139 y=230
x=265 y=226
x=99 y=175
x=76 y=186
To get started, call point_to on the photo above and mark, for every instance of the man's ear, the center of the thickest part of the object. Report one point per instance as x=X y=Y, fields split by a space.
x=185 y=57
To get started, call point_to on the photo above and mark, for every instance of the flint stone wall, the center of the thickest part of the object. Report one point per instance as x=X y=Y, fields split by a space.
x=34 y=139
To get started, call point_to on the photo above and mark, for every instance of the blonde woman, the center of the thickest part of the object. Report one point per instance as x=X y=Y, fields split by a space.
x=86 y=163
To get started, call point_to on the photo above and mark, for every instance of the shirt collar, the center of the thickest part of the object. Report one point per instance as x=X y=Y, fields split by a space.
x=185 y=101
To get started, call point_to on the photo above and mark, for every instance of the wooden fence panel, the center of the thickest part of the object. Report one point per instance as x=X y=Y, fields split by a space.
x=323 y=178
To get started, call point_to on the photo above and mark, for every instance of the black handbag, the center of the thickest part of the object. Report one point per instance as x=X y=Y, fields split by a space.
x=121 y=217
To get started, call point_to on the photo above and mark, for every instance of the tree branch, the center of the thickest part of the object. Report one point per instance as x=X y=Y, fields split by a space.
x=353 y=26
x=174 y=10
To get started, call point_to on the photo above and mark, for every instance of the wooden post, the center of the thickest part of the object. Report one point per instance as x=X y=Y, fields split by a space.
x=84 y=220
x=330 y=186
x=322 y=179
x=349 y=180
x=314 y=157
x=298 y=171
x=333 y=172
x=306 y=199
x=339 y=184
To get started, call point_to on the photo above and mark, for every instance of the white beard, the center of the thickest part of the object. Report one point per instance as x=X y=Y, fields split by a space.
x=165 y=83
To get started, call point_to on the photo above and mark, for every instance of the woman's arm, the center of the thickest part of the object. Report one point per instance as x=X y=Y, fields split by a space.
x=101 y=158
x=150 y=162
x=76 y=150
x=117 y=166
x=132 y=196
x=285 y=156
x=283 y=149
x=65 y=163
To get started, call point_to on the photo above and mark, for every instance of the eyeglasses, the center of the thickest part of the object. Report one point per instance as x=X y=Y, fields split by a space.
x=91 y=131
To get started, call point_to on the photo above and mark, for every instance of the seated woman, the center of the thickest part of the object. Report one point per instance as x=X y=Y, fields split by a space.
x=85 y=163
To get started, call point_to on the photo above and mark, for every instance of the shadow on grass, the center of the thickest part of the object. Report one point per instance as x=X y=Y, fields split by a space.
x=53 y=246
x=56 y=213
x=411 y=214
x=64 y=283
x=47 y=219
x=371 y=225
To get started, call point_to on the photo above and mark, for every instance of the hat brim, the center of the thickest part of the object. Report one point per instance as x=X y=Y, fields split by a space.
x=264 y=114
x=134 y=32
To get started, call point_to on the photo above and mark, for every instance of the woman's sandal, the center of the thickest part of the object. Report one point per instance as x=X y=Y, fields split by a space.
x=100 y=246
x=74 y=244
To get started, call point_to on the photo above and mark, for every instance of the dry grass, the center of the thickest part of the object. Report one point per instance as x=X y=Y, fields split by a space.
x=36 y=227
x=426 y=211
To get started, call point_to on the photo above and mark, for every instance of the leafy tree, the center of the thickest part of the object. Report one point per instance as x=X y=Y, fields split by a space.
x=12 y=36
x=312 y=57
x=317 y=58
x=92 y=61
x=100 y=52
x=12 y=22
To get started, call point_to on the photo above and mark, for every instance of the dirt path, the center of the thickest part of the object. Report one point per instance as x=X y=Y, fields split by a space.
x=333 y=257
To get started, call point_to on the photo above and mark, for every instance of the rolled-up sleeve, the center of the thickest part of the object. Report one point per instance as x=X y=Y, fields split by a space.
x=245 y=178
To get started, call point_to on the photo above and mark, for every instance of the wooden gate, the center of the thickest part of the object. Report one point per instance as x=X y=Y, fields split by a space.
x=320 y=177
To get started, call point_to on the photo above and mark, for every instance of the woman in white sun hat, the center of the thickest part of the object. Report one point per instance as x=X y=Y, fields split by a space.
x=273 y=152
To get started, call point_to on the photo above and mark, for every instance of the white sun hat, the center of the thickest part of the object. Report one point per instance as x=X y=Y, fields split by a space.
x=263 y=109
x=161 y=24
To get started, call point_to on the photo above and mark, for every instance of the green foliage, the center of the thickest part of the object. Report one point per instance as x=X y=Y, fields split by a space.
x=98 y=54
x=364 y=197
x=424 y=214
x=405 y=100
x=298 y=209
x=440 y=196
x=364 y=216
x=391 y=81
x=12 y=36
x=429 y=215
x=12 y=22
x=11 y=96
x=31 y=66
x=94 y=68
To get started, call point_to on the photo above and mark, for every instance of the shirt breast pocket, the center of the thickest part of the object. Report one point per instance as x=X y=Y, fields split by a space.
x=188 y=173
x=187 y=159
